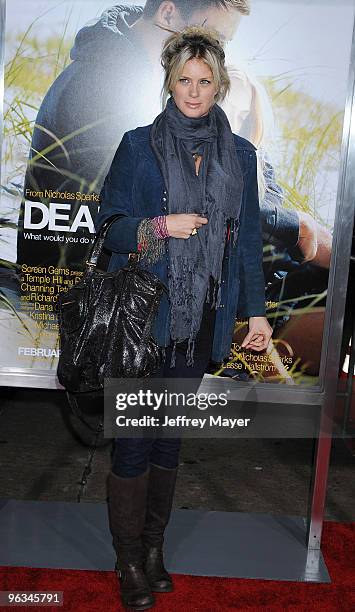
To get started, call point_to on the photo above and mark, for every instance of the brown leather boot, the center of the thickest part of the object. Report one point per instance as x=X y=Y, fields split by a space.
x=126 y=508
x=161 y=489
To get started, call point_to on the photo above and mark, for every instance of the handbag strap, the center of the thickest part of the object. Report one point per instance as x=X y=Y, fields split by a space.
x=147 y=328
x=97 y=247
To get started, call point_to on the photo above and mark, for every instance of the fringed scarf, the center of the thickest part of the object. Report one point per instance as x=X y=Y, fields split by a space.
x=215 y=193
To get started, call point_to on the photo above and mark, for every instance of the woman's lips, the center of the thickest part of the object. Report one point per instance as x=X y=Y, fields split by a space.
x=193 y=104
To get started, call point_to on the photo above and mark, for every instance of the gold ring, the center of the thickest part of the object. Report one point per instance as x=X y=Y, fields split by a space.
x=194 y=232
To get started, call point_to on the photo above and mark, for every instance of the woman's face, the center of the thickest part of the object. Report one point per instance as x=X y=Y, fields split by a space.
x=195 y=90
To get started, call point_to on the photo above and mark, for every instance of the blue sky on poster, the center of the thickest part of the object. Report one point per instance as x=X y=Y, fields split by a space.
x=310 y=39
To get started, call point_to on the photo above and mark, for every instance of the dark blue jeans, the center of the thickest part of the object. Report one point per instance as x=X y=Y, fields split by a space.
x=131 y=456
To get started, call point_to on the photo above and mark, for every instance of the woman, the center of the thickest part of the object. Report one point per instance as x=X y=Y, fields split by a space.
x=185 y=187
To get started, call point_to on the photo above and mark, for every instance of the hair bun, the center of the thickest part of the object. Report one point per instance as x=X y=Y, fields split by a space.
x=201 y=32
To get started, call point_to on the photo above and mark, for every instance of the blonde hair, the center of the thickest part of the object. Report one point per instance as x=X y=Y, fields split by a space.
x=257 y=121
x=193 y=42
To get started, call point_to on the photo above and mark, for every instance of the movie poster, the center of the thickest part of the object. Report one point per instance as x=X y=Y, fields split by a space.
x=80 y=74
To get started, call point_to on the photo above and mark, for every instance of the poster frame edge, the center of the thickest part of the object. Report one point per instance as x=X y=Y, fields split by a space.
x=16 y=376
x=2 y=72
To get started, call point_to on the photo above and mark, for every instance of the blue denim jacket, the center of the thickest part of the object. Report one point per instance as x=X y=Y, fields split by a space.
x=134 y=187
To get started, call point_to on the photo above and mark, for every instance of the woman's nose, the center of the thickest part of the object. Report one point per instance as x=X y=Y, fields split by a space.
x=194 y=90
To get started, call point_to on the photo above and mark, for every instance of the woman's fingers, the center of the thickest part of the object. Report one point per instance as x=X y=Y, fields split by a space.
x=259 y=334
x=248 y=339
x=182 y=225
x=197 y=221
x=258 y=344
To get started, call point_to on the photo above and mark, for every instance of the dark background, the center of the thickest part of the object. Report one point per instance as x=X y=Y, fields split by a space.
x=41 y=459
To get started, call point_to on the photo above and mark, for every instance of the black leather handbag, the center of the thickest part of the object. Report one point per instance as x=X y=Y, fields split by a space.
x=105 y=323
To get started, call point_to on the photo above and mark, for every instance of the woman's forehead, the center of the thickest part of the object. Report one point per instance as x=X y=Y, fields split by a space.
x=196 y=67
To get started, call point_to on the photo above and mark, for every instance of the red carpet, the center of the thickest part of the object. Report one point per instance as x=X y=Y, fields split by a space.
x=97 y=591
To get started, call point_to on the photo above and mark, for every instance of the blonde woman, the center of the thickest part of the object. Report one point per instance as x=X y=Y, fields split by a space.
x=186 y=188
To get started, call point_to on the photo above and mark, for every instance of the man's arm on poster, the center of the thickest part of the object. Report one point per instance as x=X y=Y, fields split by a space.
x=305 y=238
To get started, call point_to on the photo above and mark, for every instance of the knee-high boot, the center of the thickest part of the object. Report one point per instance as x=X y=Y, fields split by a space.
x=161 y=489
x=127 y=499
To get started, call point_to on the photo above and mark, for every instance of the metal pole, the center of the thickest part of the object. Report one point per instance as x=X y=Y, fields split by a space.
x=333 y=326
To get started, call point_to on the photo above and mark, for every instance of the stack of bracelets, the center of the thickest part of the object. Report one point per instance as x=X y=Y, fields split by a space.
x=150 y=238
x=160 y=228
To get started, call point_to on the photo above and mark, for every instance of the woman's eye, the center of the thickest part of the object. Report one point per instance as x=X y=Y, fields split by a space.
x=187 y=81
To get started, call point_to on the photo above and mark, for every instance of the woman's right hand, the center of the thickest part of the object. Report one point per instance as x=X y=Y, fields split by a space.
x=181 y=225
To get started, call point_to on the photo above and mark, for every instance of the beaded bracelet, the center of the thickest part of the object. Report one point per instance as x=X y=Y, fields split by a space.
x=160 y=227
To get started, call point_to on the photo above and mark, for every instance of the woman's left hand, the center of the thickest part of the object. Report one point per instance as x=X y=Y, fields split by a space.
x=259 y=334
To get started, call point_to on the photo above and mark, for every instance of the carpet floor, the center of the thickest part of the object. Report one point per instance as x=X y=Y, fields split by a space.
x=89 y=591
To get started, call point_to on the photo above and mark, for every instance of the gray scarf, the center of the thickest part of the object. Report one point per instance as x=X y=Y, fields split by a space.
x=215 y=193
